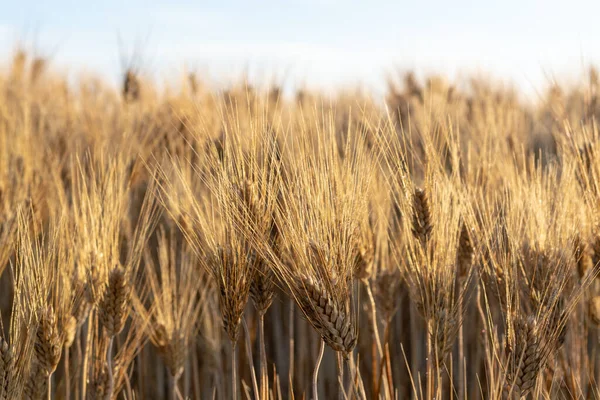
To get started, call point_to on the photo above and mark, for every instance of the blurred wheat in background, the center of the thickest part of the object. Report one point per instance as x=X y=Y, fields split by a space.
x=189 y=243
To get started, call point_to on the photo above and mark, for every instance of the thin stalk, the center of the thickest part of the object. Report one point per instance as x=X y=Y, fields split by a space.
x=374 y=368
x=358 y=387
x=461 y=355
x=233 y=371
x=316 y=371
x=128 y=388
x=109 y=366
x=49 y=386
x=78 y=351
x=429 y=370
x=172 y=387
x=186 y=379
x=291 y=349
x=416 y=337
x=340 y=370
x=264 y=378
x=388 y=360
x=374 y=317
x=87 y=352
x=67 y=375
x=385 y=365
x=140 y=373
x=195 y=375
x=250 y=358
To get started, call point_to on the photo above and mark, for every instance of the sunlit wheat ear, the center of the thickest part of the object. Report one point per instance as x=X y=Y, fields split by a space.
x=233 y=288
x=48 y=344
x=364 y=255
x=113 y=307
x=256 y=212
x=93 y=285
x=421 y=222
x=80 y=306
x=262 y=288
x=69 y=331
x=524 y=354
x=445 y=330
x=331 y=317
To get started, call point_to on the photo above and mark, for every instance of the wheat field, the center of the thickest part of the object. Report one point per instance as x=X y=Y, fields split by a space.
x=193 y=243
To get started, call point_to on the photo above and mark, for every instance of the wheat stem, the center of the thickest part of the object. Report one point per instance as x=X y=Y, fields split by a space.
x=291 y=348
x=109 y=366
x=429 y=368
x=374 y=317
x=233 y=371
x=340 y=369
x=264 y=379
x=67 y=376
x=250 y=358
x=315 y=388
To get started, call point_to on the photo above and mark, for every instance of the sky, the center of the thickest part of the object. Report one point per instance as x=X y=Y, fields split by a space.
x=315 y=43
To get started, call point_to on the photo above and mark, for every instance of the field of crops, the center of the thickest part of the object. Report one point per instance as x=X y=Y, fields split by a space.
x=189 y=243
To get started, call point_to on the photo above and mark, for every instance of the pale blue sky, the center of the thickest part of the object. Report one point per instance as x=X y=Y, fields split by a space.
x=317 y=42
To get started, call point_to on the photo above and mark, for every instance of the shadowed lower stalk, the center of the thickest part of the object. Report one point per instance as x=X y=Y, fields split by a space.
x=174 y=388
x=461 y=354
x=109 y=368
x=429 y=359
x=291 y=348
x=233 y=370
x=264 y=384
x=67 y=376
x=377 y=348
x=340 y=370
x=250 y=358
x=374 y=317
x=315 y=388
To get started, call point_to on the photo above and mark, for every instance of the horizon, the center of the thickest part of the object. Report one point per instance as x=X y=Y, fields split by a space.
x=324 y=44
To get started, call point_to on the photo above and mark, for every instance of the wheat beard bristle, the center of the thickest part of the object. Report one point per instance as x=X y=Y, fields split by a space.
x=331 y=320
x=112 y=311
